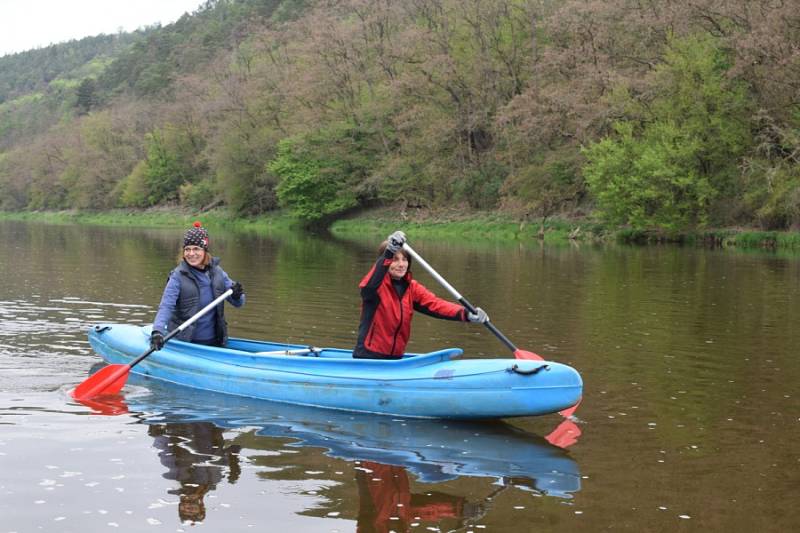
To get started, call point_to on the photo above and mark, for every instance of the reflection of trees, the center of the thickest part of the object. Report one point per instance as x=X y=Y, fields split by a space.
x=386 y=502
x=196 y=457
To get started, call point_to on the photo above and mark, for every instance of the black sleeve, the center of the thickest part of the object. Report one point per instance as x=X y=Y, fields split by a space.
x=370 y=290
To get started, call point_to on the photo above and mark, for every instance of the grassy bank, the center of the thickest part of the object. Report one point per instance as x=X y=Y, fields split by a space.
x=453 y=225
x=449 y=224
x=160 y=218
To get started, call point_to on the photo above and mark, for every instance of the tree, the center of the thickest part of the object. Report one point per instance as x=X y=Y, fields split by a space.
x=677 y=151
x=321 y=174
x=86 y=96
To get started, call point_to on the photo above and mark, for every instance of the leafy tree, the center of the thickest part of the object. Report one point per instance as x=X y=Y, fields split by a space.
x=549 y=185
x=679 y=150
x=100 y=152
x=173 y=159
x=133 y=191
x=87 y=98
x=321 y=173
x=772 y=174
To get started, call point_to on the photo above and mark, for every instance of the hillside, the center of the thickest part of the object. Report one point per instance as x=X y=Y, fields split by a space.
x=644 y=114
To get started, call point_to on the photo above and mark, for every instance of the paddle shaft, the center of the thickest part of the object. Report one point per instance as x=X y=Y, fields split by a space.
x=457 y=295
x=183 y=326
x=110 y=379
x=519 y=354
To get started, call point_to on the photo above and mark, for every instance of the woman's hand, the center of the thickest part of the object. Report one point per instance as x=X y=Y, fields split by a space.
x=238 y=290
x=396 y=241
x=479 y=316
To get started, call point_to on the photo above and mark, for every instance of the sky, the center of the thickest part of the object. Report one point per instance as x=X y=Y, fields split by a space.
x=29 y=24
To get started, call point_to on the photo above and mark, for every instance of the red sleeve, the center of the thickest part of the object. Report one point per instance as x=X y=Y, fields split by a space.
x=429 y=304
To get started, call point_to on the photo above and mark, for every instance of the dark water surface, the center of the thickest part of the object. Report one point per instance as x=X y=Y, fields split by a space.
x=690 y=420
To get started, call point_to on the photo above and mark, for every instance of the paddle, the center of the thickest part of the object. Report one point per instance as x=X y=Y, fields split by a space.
x=110 y=379
x=519 y=354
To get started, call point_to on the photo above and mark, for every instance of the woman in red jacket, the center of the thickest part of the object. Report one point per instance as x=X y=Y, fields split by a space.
x=389 y=298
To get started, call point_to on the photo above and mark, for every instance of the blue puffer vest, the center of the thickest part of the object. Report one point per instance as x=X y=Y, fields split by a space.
x=189 y=301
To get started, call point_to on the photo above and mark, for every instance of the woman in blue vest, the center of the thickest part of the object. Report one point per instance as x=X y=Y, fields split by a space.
x=194 y=283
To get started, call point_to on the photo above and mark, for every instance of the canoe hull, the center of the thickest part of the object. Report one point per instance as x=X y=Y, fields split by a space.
x=426 y=385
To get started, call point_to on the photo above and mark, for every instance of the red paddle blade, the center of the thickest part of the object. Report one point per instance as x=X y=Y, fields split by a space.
x=109 y=405
x=565 y=435
x=524 y=354
x=569 y=411
x=108 y=380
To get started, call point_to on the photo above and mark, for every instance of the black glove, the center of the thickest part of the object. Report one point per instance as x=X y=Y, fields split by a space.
x=237 y=290
x=156 y=340
x=396 y=241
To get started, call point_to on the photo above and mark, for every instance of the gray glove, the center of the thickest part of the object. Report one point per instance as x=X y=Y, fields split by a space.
x=478 y=316
x=396 y=241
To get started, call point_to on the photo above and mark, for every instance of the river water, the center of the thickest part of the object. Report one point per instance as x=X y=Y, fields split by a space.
x=690 y=419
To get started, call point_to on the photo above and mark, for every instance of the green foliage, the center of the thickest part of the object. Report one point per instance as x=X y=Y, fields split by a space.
x=665 y=167
x=772 y=177
x=480 y=187
x=780 y=201
x=483 y=104
x=86 y=96
x=649 y=181
x=241 y=155
x=34 y=70
x=198 y=195
x=321 y=173
x=549 y=184
x=310 y=189
x=164 y=172
x=132 y=191
x=173 y=158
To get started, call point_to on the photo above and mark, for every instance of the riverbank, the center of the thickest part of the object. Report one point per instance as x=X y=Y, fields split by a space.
x=429 y=224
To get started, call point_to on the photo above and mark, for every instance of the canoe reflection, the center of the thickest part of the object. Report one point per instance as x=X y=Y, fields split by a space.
x=188 y=426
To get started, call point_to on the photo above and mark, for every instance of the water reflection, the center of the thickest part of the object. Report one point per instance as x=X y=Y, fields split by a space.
x=386 y=502
x=386 y=453
x=195 y=455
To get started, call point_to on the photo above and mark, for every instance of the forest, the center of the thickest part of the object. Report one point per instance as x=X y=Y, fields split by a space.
x=648 y=114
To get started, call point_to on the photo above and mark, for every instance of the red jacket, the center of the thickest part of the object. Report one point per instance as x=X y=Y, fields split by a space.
x=386 y=317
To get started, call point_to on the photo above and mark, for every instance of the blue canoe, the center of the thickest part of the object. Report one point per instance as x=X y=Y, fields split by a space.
x=432 y=385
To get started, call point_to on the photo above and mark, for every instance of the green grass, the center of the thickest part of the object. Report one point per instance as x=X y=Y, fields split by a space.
x=157 y=218
x=441 y=225
x=450 y=225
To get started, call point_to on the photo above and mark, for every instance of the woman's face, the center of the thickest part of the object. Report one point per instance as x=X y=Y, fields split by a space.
x=399 y=266
x=194 y=255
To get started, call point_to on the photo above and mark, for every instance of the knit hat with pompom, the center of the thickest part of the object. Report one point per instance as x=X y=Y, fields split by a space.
x=196 y=236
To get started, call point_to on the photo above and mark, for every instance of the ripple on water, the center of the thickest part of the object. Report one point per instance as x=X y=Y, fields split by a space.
x=37 y=331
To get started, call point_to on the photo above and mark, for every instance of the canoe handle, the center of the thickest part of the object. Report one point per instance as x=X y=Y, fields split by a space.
x=531 y=372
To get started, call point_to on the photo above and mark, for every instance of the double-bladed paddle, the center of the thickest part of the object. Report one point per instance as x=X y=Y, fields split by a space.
x=519 y=354
x=110 y=379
